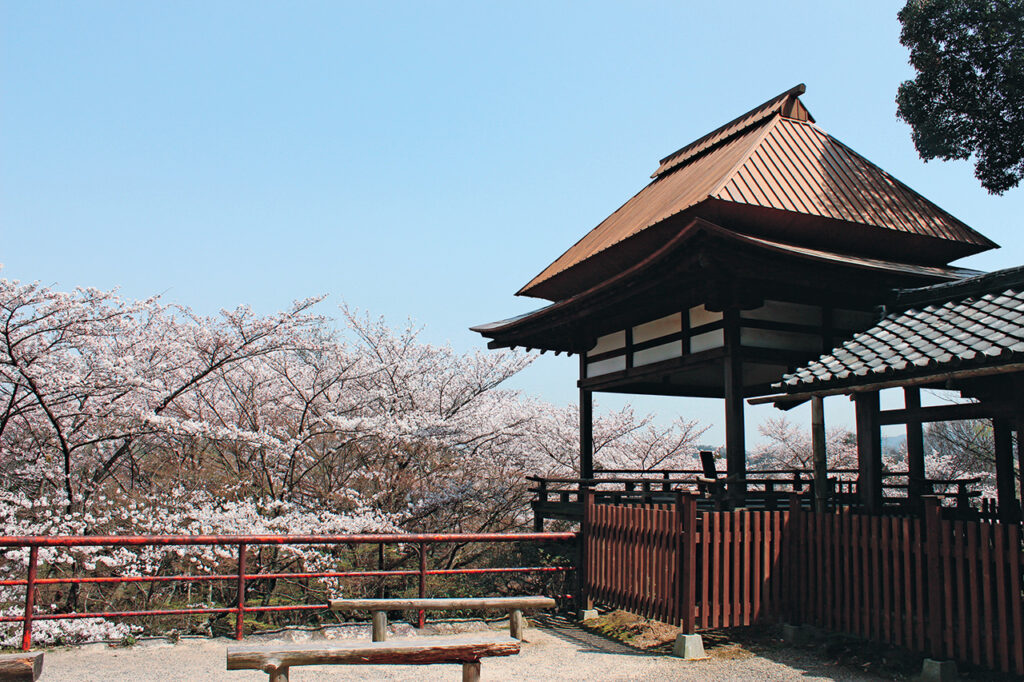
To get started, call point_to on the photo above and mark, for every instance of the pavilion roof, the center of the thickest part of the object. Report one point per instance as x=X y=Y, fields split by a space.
x=535 y=329
x=805 y=187
x=966 y=325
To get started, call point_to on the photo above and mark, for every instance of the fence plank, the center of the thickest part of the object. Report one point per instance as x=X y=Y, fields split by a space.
x=946 y=550
x=1002 y=597
x=985 y=540
x=973 y=553
x=1017 y=597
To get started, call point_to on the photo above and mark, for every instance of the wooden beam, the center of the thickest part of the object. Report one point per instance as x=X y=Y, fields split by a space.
x=869 y=452
x=1006 y=488
x=818 y=450
x=444 y=604
x=735 y=438
x=915 y=448
x=868 y=386
x=946 y=413
x=418 y=651
x=24 y=666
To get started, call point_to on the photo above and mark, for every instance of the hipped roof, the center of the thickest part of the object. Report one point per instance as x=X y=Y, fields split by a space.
x=775 y=160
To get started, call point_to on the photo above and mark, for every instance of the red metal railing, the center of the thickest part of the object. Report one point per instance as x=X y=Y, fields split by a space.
x=241 y=577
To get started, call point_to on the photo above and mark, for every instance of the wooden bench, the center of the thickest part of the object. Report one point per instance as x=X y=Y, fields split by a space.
x=276 y=660
x=379 y=608
x=21 y=666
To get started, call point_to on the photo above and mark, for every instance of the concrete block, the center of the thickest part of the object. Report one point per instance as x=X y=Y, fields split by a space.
x=587 y=614
x=938 y=671
x=690 y=647
x=795 y=634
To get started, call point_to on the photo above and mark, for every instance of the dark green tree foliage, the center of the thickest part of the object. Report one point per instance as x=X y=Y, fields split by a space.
x=968 y=96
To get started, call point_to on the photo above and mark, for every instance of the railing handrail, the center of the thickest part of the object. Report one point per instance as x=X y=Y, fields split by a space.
x=243 y=543
x=356 y=538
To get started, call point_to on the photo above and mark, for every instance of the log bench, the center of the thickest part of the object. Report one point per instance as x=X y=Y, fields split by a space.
x=17 y=667
x=379 y=608
x=276 y=660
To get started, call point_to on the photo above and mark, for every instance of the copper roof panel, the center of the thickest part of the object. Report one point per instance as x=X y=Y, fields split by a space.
x=773 y=157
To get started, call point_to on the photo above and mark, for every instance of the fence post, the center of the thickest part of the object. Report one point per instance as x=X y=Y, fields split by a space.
x=932 y=529
x=585 y=560
x=686 y=513
x=421 y=616
x=30 y=597
x=796 y=570
x=239 y=616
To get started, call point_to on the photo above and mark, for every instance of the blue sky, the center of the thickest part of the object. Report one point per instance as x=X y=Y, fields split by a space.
x=415 y=159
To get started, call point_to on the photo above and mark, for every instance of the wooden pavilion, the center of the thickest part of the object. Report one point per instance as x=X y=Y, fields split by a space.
x=753 y=250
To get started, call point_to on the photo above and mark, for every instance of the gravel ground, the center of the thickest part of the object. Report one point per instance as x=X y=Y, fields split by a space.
x=560 y=652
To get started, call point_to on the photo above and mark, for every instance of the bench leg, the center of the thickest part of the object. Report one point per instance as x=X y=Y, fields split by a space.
x=277 y=674
x=380 y=626
x=516 y=624
x=471 y=672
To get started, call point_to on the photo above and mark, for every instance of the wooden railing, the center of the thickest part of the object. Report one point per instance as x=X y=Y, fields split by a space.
x=767 y=489
x=951 y=589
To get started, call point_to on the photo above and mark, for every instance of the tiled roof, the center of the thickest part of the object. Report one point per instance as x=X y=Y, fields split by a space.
x=773 y=157
x=974 y=322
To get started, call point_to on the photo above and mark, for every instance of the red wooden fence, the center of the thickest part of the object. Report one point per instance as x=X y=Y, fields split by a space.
x=948 y=589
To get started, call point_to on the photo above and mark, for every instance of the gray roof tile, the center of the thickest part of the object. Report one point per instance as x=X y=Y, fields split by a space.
x=972 y=325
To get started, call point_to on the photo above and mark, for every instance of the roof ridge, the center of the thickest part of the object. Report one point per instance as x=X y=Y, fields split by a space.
x=979 y=285
x=708 y=142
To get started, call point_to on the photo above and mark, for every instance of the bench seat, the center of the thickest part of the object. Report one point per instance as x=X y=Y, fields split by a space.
x=275 y=660
x=379 y=608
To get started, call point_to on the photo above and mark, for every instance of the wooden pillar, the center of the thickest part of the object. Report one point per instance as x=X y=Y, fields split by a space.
x=1006 y=489
x=735 y=443
x=869 y=451
x=915 y=451
x=820 y=455
x=1020 y=460
x=586 y=425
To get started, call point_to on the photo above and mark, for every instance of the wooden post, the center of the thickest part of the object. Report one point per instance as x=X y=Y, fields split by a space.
x=516 y=623
x=421 y=616
x=931 y=525
x=818 y=448
x=915 y=451
x=240 y=615
x=471 y=671
x=586 y=425
x=869 y=451
x=30 y=597
x=735 y=438
x=1006 y=488
x=277 y=673
x=686 y=508
x=380 y=626
x=583 y=562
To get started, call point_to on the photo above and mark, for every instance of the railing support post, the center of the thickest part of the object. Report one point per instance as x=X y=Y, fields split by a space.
x=932 y=521
x=585 y=560
x=686 y=512
x=30 y=597
x=240 y=615
x=421 y=616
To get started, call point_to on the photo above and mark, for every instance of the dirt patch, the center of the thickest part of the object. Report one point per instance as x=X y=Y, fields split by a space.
x=836 y=651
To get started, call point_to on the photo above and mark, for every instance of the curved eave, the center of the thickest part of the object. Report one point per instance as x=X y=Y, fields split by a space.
x=515 y=330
